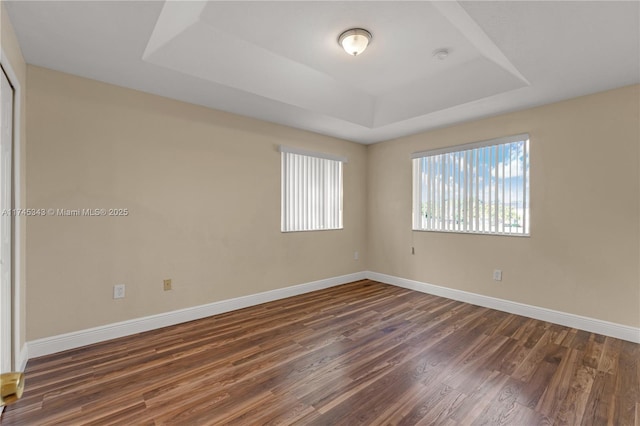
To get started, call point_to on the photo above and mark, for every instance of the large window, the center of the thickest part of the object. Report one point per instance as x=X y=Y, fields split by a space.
x=311 y=190
x=480 y=188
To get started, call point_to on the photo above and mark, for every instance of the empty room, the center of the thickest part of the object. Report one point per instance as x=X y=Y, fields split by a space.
x=320 y=212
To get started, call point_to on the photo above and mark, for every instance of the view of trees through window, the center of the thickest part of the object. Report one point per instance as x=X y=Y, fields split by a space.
x=478 y=188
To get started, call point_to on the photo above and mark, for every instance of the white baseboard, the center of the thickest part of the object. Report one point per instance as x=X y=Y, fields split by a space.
x=76 y=339
x=23 y=357
x=62 y=342
x=620 y=331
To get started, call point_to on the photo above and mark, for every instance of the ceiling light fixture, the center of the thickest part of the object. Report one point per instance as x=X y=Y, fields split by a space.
x=354 y=41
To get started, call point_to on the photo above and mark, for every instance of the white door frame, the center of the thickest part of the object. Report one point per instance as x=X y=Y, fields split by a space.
x=19 y=354
x=6 y=204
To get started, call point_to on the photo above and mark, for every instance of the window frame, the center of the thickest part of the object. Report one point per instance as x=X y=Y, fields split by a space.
x=471 y=179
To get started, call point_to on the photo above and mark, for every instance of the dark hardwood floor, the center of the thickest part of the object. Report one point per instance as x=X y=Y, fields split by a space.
x=361 y=353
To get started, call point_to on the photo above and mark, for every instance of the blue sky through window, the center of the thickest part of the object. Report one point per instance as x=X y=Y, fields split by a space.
x=483 y=189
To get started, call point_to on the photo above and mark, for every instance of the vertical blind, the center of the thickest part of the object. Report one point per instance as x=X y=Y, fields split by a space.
x=311 y=190
x=475 y=188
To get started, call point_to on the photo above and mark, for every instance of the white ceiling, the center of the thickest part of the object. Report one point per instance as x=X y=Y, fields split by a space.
x=280 y=61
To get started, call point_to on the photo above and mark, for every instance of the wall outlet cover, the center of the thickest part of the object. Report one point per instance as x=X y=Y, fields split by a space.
x=118 y=291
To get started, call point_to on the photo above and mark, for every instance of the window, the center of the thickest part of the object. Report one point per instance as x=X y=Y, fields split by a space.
x=480 y=188
x=311 y=191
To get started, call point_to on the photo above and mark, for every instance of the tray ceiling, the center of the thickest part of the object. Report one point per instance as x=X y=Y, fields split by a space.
x=280 y=61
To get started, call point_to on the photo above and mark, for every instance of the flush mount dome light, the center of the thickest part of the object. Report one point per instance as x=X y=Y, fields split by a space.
x=354 y=41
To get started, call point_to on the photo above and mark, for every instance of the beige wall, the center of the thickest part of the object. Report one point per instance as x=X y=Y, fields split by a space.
x=583 y=254
x=13 y=56
x=202 y=187
x=203 y=191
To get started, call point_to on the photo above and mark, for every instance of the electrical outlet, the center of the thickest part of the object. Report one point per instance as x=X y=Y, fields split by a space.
x=356 y=256
x=497 y=275
x=167 y=285
x=118 y=291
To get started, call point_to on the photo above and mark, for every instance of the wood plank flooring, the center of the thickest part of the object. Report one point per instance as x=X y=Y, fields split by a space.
x=361 y=353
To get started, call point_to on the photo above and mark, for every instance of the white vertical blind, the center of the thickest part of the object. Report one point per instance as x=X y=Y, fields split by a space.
x=311 y=191
x=475 y=188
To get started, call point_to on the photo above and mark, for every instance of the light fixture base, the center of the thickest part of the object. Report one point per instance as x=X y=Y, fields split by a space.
x=355 y=40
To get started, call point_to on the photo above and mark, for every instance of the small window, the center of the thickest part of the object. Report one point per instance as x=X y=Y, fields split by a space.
x=480 y=188
x=311 y=191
